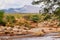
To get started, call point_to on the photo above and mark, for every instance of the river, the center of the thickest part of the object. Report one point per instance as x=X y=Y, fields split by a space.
x=50 y=36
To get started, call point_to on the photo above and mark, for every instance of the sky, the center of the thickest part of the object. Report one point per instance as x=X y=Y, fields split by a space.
x=5 y=4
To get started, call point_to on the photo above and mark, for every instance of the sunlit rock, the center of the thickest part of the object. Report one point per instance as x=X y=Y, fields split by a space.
x=58 y=29
x=35 y=31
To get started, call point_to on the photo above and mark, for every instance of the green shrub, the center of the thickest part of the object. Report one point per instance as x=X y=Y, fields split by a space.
x=1 y=18
x=10 y=19
x=2 y=23
x=35 y=18
x=1 y=15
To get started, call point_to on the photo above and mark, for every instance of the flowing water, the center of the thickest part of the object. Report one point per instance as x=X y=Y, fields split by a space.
x=46 y=37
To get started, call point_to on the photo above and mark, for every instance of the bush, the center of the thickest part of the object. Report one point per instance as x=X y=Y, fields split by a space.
x=1 y=18
x=1 y=15
x=10 y=19
x=2 y=23
x=35 y=18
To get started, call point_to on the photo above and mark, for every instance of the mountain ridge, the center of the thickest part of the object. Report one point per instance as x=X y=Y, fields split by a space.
x=25 y=9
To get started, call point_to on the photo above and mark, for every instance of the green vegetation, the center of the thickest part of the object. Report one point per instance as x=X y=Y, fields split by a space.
x=57 y=13
x=35 y=18
x=2 y=22
x=10 y=19
x=47 y=16
x=27 y=19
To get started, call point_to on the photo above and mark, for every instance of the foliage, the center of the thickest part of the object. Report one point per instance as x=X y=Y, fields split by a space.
x=59 y=3
x=47 y=3
x=35 y=18
x=47 y=16
x=3 y=23
x=1 y=18
x=1 y=15
x=10 y=19
x=37 y=2
x=31 y=18
x=46 y=10
x=57 y=12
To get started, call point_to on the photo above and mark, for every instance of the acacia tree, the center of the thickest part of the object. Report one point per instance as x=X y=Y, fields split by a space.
x=49 y=4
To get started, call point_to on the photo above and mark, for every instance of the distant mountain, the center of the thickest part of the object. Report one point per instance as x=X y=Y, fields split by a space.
x=25 y=9
x=29 y=9
x=11 y=10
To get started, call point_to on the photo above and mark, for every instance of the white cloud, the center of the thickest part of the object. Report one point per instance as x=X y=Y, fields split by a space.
x=14 y=3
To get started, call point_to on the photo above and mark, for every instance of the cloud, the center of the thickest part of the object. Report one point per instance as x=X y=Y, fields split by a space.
x=4 y=4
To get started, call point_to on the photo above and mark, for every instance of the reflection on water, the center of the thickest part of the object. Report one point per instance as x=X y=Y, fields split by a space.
x=38 y=38
x=46 y=37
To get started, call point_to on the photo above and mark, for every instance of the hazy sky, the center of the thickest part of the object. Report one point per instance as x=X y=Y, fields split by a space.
x=14 y=3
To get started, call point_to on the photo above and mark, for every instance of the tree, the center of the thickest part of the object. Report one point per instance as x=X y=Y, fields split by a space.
x=46 y=10
x=48 y=4
x=57 y=12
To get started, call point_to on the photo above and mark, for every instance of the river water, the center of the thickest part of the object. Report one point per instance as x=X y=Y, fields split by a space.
x=50 y=36
x=39 y=38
